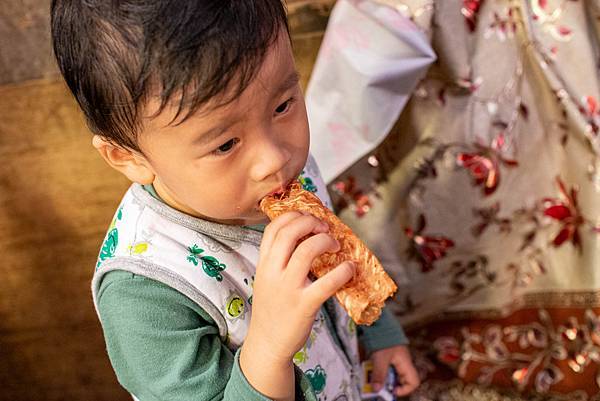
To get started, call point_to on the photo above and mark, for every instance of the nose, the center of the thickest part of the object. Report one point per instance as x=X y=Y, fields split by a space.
x=271 y=157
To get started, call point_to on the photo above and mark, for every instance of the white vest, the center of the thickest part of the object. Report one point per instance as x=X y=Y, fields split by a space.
x=214 y=265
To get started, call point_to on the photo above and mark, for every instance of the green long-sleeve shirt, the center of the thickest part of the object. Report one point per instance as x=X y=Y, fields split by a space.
x=163 y=346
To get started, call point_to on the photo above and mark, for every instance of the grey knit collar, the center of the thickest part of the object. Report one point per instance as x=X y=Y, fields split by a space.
x=212 y=229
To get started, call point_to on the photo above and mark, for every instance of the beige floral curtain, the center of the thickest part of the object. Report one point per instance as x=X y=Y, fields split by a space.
x=483 y=201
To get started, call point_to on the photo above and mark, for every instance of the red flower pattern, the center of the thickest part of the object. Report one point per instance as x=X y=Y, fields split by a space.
x=448 y=350
x=484 y=164
x=591 y=112
x=426 y=249
x=504 y=26
x=352 y=196
x=565 y=210
x=550 y=19
x=470 y=10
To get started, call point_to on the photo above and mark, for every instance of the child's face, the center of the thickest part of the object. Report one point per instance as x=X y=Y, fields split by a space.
x=218 y=165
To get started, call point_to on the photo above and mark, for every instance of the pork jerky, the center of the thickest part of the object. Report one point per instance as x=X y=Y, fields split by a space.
x=364 y=296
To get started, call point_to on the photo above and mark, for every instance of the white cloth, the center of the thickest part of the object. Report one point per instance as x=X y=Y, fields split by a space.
x=371 y=59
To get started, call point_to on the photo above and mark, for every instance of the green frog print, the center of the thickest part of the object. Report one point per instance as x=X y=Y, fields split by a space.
x=318 y=378
x=307 y=183
x=251 y=284
x=111 y=241
x=301 y=356
x=211 y=266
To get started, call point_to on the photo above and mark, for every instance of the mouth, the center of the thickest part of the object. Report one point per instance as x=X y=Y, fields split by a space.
x=280 y=191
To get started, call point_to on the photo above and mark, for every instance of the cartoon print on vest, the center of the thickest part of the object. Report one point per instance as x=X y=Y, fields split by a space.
x=344 y=391
x=318 y=324
x=235 y=306
x=211 y=266
x=214 y=246
x=311 y=168
x=139 y=248
x=250 y=283
x=109 y=246
x=307 y=183
x=318 y=378
x=351 y=327
x=301 y=356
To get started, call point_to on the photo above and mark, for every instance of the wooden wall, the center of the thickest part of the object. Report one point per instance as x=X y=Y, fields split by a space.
x=56 y=200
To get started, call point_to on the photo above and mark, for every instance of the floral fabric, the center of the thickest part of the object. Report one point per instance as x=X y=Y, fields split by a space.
x=483 y=201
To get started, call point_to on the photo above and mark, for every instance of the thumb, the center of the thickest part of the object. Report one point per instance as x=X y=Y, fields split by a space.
x=326 y=286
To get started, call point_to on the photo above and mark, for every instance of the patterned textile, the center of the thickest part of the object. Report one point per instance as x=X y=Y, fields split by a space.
x=483 y=202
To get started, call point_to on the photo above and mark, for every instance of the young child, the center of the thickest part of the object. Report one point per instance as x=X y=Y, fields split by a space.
x=198 y=104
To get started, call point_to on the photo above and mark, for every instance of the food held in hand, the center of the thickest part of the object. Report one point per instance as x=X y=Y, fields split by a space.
x=364 y=296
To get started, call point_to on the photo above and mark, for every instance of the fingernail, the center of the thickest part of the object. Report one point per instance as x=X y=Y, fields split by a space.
x=376 y=387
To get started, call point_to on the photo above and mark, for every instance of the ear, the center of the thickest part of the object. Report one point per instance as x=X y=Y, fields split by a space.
x=128 y=162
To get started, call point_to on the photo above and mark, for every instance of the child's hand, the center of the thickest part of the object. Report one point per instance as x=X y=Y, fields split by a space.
x=399 y=358
x=285 y=302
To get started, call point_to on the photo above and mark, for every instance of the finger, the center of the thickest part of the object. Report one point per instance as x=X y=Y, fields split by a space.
x=287 y=238
x=380 y=370
x=410 y=379
x=309 y=249
x=324 y=287
x=274 y=226
x=406 y=389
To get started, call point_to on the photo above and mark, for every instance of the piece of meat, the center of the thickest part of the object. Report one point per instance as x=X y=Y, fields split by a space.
x=364 y=296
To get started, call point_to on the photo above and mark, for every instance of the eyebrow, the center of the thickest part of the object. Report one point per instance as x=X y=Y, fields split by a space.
x=289 y=82
x=208 y=136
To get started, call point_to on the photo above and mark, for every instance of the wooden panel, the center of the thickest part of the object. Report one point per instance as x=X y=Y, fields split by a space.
x=57 y=364
x=25 y=50
x=307 y=20
x=56 y=199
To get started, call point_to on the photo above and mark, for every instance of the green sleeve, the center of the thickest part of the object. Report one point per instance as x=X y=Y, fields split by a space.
x=384 y=333
x=163 y=346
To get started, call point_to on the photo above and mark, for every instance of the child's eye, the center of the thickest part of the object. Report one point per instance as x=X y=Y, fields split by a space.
x=285 y=106
x=226 y=147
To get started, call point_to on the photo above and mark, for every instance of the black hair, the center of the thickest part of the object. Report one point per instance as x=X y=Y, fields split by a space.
x=116 y=54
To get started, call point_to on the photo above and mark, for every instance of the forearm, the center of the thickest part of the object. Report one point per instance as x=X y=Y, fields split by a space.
x=270 y=375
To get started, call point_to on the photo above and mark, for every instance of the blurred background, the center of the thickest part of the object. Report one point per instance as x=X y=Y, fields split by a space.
x=56 y=200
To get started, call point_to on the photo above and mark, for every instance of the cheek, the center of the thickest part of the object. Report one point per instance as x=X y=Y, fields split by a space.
x=300 y=129
x=303 y=124
x=226 y=195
